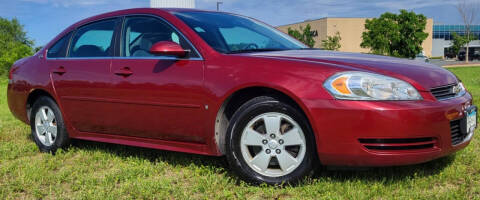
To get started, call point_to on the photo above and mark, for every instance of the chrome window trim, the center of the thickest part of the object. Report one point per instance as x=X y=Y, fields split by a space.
x=155 y=58
x=140 y=58
x=81 y=58
x=119 y=58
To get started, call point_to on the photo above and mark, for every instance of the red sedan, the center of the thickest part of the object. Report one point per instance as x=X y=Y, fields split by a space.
x=218 y=84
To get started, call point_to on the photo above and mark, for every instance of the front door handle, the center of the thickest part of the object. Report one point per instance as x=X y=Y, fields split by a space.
x=60 y=70
x=123 y=72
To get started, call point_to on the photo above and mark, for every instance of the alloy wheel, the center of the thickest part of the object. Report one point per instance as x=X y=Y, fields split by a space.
x=273 y=144
x=46 y=126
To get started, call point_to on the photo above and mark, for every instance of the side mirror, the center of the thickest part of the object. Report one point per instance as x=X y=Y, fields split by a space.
x=168 y=48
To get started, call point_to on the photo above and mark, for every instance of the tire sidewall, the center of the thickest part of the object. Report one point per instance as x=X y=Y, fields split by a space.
x=62 y=137
x=243 y=116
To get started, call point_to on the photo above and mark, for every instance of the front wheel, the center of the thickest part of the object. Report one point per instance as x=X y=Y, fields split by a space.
x=270 y=141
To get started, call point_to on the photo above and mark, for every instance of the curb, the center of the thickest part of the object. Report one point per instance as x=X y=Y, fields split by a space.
x=462 y=65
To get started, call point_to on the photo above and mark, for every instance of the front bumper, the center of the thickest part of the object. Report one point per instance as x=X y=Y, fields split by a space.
x=343 y=127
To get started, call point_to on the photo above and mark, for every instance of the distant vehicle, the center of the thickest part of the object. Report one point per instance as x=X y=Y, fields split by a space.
x=221 y=84
x=421 y=57
x=450 y=55
x=472 y=55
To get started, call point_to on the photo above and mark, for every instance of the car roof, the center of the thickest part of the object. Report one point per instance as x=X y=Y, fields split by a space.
x=143 y=10
x=159 y=11
x=138 y=11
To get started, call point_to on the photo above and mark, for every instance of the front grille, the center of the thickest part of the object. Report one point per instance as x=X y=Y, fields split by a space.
x=398 y=143
x=444 y=92
x=457 y=134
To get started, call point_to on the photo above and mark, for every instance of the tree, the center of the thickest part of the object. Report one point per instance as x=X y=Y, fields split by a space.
x=332 y=42
x=37 y=49
x=399 y=35
x=304 y=35
x=468 y=12
x=458 y=42
x=14 y=43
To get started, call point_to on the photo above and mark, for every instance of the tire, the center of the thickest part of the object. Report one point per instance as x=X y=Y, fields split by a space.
x=244 y=148
x=44 y=126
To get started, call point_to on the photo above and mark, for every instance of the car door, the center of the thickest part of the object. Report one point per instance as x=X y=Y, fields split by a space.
x=157 y=97
x=82 y=78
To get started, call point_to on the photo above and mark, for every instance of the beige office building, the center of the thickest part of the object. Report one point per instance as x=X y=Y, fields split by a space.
x=350 y=30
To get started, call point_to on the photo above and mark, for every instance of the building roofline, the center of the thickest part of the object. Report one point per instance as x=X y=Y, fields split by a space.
x=308 y=20
x=323 y=18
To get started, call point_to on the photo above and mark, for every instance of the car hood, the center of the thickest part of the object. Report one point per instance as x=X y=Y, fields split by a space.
x=426 y=75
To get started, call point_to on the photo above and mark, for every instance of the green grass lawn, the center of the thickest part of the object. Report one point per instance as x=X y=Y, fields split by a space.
x=98 y=171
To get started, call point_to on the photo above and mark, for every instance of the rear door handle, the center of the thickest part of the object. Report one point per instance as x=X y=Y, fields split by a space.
x=125 y=71
x=60 y=70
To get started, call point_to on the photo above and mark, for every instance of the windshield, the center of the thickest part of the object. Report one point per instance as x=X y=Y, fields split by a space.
x=228 y=33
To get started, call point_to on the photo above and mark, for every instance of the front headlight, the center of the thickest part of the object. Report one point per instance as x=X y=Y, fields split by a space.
x=369 y=86
x=459 y=89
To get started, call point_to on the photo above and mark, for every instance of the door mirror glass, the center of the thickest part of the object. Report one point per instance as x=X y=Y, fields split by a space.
x=168 y=48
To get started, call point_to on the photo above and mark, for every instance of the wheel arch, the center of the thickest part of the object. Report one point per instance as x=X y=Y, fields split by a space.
x=33 y=95
x=238 y=97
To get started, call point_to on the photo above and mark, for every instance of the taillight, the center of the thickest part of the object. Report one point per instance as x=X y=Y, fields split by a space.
x=10 y=74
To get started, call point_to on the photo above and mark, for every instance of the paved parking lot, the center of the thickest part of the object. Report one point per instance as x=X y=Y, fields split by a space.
x=443 y=62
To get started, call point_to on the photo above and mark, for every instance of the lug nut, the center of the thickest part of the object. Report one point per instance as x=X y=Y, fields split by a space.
x=278 y=151
x=272 y=135
x=267 y=151
x=280 y=141
x=264 y=141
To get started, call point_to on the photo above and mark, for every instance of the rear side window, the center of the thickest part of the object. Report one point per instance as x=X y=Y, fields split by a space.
x=59 y=49
x=94 y=40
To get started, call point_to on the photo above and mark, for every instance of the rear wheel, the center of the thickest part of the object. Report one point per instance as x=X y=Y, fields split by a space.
x=48 y=129
x=270 y=141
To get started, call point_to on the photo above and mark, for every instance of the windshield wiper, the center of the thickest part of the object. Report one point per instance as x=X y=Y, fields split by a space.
x=255 y=50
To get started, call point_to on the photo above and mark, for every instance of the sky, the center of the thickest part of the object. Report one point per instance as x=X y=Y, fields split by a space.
x=44 y=19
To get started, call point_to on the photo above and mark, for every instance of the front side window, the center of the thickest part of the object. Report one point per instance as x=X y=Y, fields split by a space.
x=59 y=49
x=228 y=33
x=94 y=40
x=141 y=32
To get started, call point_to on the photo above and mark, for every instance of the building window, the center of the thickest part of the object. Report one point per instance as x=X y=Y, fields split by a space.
x=445 y=31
